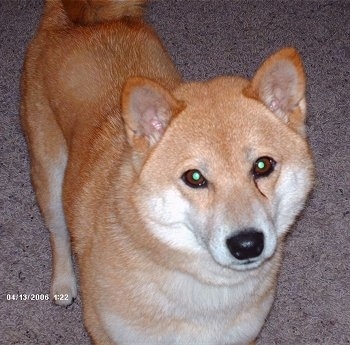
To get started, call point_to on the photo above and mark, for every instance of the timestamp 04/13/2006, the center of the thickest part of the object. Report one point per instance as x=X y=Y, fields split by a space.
x=35 y=297
x=27 y=297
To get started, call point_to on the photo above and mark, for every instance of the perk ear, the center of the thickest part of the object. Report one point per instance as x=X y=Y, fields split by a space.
x=280 y=84
x=147 y=109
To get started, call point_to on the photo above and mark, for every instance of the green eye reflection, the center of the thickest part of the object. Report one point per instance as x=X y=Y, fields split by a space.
x=263 y=167
x=194 y=178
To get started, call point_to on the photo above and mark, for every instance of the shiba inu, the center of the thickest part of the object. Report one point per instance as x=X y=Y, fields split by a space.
x=177 y=195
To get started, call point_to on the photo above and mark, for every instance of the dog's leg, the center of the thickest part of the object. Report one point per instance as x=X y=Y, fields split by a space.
x=48 y=180
x=49 y=160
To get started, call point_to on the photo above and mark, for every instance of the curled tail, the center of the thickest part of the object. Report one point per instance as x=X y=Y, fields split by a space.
x=86 y=12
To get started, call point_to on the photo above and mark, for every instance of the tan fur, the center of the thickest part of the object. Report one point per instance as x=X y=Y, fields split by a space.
x=87 y=11
x=111 y=129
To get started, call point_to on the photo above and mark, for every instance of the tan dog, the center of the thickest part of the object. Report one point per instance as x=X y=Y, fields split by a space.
x=177 y=195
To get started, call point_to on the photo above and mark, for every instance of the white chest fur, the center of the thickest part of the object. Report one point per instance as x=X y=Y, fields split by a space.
x=185 y=311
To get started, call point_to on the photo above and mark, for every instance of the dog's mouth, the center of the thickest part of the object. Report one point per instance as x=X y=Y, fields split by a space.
x=246 y=265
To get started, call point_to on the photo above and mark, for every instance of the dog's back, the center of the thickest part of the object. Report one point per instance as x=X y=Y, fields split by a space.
x=85 y=45
x=91 y=12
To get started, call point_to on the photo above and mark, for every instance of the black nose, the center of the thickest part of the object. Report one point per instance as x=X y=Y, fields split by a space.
x=247 y=244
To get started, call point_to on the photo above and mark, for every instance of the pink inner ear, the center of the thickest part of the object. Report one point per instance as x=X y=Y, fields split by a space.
x=279 y=98
x=284 y=80
x=280 y=84
x=274 y=105
x=147 y=110
x=151 y=121
x=156 y=124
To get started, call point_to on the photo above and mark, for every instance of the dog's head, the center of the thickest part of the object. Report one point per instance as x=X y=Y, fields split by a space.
x=223 y=166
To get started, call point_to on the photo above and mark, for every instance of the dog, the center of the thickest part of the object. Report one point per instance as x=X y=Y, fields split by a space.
x=177 y=195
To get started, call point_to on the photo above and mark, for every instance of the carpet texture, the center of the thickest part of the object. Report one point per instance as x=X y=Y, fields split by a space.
x=205 y=38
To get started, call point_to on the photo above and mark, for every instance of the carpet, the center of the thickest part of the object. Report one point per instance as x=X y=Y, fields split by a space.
x=205 y=39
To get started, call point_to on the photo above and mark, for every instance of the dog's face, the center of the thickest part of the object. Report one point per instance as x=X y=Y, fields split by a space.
x=230 y=172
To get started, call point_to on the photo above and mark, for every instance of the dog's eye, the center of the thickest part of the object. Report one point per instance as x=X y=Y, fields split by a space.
x=194 y=178
x=263 y=167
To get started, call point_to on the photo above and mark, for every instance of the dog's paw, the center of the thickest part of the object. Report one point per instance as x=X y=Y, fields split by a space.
x=64 y=290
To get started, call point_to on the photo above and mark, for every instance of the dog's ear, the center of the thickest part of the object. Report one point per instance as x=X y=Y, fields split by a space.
x=280 y=84
x=147 y=109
